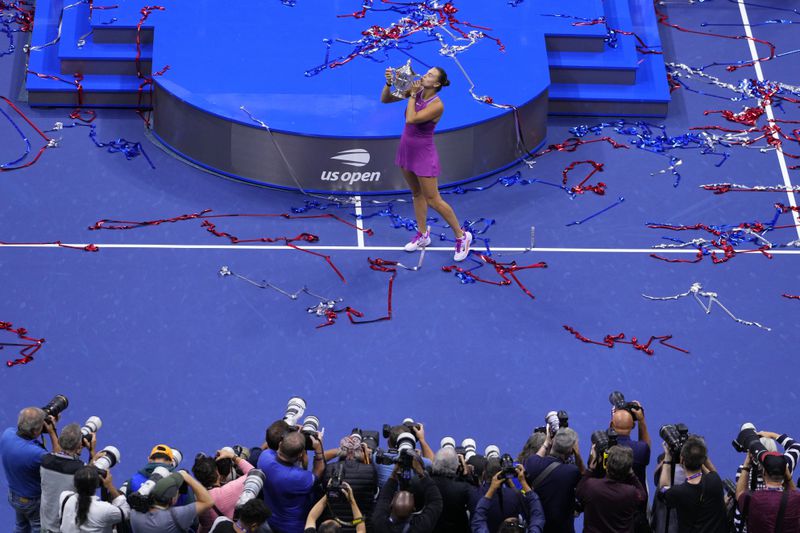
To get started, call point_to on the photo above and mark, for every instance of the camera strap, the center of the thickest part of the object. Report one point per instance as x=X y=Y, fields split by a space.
x=543 y=475
x=782 y=511
x=63 y=506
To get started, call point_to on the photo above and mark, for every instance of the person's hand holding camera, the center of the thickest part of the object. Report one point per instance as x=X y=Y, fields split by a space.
x=523 y=482
x=667 y=453
x=768 y=434
x=638 y=414
x=497 y=482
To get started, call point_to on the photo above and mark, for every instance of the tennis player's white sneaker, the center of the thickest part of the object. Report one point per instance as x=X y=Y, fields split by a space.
x=420 y=240
x=462 y=247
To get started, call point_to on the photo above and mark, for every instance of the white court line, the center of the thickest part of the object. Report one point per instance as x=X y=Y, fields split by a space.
x=359 y=223
x=770 y=115
x=659 y=251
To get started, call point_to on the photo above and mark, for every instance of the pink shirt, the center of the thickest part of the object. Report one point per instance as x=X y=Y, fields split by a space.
x=225 y=498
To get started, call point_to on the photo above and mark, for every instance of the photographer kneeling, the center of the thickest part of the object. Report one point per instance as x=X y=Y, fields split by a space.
x=82 y=511
x=700 y=500
x=514 y=524
x=610 y=503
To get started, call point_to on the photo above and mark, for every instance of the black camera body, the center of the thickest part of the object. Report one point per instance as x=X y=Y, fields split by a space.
x=369 y=437
x=507 y=468
x=617 y=399
x=408 y=424
x=675 y=435
x=603 y=440
x=334 y=489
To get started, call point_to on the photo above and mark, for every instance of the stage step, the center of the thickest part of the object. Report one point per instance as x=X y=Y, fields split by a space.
x=648 y=96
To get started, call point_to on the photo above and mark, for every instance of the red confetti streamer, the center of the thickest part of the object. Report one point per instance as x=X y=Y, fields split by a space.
x=28 y=349
x=663 y=19
x=86 y=248
x=78 y=113
x=581 y=188
x=641 y=47
x=791 y=296
x=48 y=140
x=609 y=341
x=502 y=269
x=23 y=17
x=147 y=81
x=203 y=215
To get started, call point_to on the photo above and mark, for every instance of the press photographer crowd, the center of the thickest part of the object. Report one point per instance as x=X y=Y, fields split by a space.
x=392 y=480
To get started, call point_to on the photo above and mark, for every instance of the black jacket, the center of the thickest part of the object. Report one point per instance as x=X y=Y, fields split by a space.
x=423 y=521
x=364 y=482
x=456 y=500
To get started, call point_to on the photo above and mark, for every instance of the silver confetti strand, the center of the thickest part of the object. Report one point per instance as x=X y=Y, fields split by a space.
x=319 y=309
x=696 y=291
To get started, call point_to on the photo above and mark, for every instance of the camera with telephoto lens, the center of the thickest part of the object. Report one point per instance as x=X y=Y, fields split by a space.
x=748 y=440
x=334 y=489
x=177 y=457
x=253 y=484
x=491 y=452
x=141 y=500
x=617 y=399
x=310 y=428
x=403 y=455
x=55 y=406
x=553 y=422
x=294 y=410
x=409 y=424
x=107 y=458
x=369 y=437
x=675 y=435
x=507 y=467
x=603 y=440
x=92 y=425
x=448 y=442
x=468 y=449
x=225 y=465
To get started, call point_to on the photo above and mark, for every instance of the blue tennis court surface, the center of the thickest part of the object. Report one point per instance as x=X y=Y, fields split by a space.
x=146 y=334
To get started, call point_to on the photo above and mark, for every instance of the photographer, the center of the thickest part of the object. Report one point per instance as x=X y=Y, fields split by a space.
x=252 y=515
x=777 y=506
x=699 y=500
x=770 y=440
x=554 y=479
x=456 y=493
x=164 y=515
x=418 y=430
x=533 y=508
x=82 y=511
x=22 y=454
x=622 y=421
x=160 y=455
x=206 y=471
x=394 y=511
x=508 y=502
x=289 y=485
x=353 y=469
x=610 y=503
x=57 y=471
x=272 y=439
x=333 y=525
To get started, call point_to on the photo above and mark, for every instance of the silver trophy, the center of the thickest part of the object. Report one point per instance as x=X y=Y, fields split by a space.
x=402 y=80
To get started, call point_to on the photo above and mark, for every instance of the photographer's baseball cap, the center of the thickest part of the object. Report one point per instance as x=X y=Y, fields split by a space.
x=774 y=464
x=162 y=449
x=167 y=488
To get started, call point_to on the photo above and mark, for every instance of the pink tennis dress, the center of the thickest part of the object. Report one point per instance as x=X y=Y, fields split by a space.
x=417 y=152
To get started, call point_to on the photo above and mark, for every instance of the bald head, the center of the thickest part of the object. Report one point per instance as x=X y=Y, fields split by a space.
x=292 y=446
x=622 y=422
x=403 y=505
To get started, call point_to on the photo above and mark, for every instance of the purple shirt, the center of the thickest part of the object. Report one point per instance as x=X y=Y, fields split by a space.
x=763 y=507
x=641 y=456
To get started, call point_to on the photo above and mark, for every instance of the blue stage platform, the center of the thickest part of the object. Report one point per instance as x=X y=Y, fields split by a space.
x=260 y=57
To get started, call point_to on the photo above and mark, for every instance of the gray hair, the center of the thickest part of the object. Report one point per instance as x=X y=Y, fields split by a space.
x=356 y=454
x=30 y=421
x=445 y=463
x=619 y=462
x=563 y=442
x=70 y=438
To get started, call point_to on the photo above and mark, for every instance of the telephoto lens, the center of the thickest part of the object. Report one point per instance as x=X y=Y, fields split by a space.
x=334 y=489
x=600 y=441
x=617 y=400
x=491 y=451
x=552 y=422
x=448 y=442
x=107 y=458
x=294 y=410
x=56 y=405
x=470 y=448
x=406 y=442
x=140 y=500
x=310 y=425
x=669 y=433
x=92 y=425
x=507 y=466
x=177 y=457
x=253 y=484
